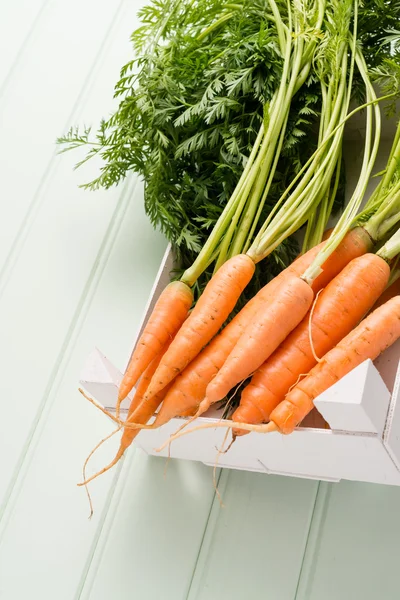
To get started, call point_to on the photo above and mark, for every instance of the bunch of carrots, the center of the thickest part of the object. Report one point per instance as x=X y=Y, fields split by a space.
x=335 y=306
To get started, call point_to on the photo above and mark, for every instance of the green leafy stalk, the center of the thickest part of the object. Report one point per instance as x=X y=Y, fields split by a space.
x=391 y=248
x=291 y=211
x=193 y=101
x=370 y=153
x=262 y=170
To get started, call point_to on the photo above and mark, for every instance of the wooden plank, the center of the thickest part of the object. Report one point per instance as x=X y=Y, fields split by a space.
x=40 y=102
x=353 y=551
x=19 y=19
x=57 y=260
x=47 y=511
x=84 y=256
x=158 y=526
x=254 y=546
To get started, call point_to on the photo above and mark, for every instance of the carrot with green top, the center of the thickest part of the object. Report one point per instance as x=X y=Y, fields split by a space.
x=273 y=323
x=188 y=389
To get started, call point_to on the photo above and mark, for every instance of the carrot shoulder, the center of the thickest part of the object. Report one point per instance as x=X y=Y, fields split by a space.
x=372 y=336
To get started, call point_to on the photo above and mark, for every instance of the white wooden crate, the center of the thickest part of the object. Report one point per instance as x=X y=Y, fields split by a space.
x=362 y=410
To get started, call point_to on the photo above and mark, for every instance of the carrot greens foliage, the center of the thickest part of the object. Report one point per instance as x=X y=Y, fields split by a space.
x=190 y=106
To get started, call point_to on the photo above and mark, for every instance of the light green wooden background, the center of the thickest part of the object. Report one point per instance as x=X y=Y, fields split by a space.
x=75 y=272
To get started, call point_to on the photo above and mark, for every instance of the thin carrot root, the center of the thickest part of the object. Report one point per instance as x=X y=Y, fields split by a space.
x=230 y=444
x=85 y=464
x=310 y=327
x=215 y=483
x=300 y=377
x=266 y=428
x=108 y=467
x=195 y=416
x=103 y=410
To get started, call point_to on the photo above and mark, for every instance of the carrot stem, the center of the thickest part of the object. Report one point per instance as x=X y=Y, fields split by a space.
x=298 y=38
x=391 y=248
x=368 y=162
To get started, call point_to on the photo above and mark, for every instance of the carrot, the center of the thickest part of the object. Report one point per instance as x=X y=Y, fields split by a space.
x=355 y=243
x=190 y=386
x=168 y=315
x=388 y=293
x=368 y=340
x=372 y=336
x=144 y=384
x=341 y=305
x=269 y=327
x=209 y=314
x=145 y=379
x=273 y=322
x=139 y=412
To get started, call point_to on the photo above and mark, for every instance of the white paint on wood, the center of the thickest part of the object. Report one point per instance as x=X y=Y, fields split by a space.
x=358 y=402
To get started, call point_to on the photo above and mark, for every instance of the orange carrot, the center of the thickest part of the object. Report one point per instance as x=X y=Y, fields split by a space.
x=189 y=387
x=269 y=327
x=168 y=315
x=372 y=336
x=273 y=322
x=368 y=340
x=355 y=243
x=339 y=308
x=207 y=317
x=389 y=292
x=145 y=379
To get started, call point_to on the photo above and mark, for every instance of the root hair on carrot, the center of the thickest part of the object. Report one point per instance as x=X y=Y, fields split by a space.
x=297 y=381
x=85 y=464
x=108 y=467
x=167 y=461
x=266 y=428
x=310 y=327
x=215 y=483
x=97 y=405
x=229 y=445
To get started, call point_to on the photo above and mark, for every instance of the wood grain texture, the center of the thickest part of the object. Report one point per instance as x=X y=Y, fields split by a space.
x=354 y=547
x=254 y=545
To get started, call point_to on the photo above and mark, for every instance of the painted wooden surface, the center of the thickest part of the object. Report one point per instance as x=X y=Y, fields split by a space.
x=75 y=272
